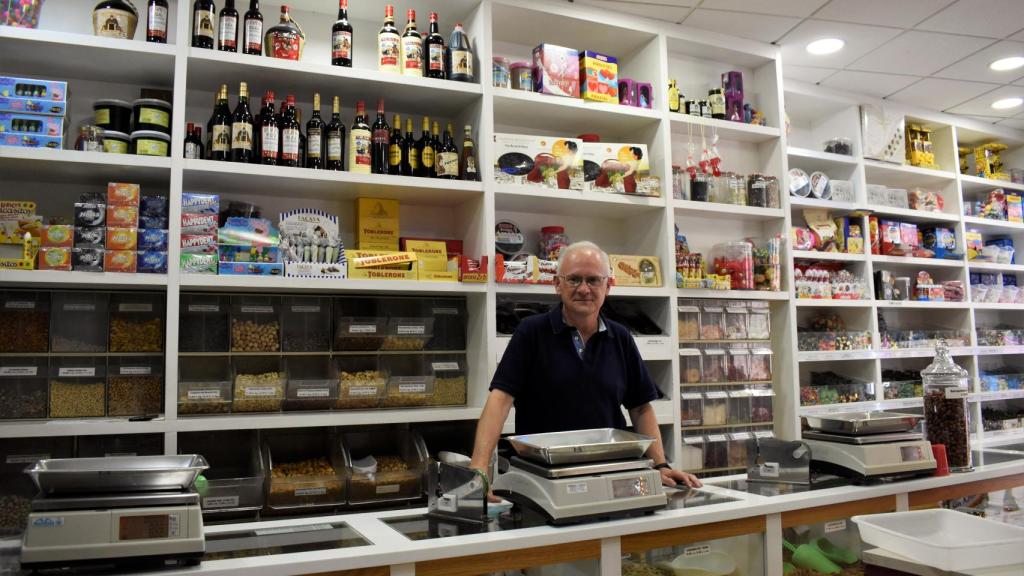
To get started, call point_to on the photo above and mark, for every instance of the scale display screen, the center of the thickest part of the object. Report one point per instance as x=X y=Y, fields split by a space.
x=148 y=527
x=630 y=487
x=911 y=453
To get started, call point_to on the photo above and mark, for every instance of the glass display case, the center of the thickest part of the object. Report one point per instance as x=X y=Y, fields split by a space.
x=23 y=387
x=204 y=385
x=832 y=388
x=811 y=341
x=308 y=470
x=235 y=480
x=255 y=324
x=78 y=387
x=26 y=319
x=203 y=323
x=387 y=465
x=902 y=339
x=78 y=322
x=259 y=383
x=135 y=385
x=312 y=383
x=137 y=322
x=306 y=324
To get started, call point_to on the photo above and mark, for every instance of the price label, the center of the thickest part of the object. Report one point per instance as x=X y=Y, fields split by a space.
x=19 y=370
x=718 y=395
x=717 y=438
x=439 y=366
x=214 y=502
x=362 y=329
x=388 y=489
x=697 y=550
x=26 y=458
x=135 y=307
x=258 y=309
x=203 y=308
x=837 y=526
x=76 y=372
x=261 y=391
x=207 y=394
x=19 y=305
x=445 y=311
x=764 y=434
x=314 y=393
x=310 y=491
x=414 y=388
x=79 y=307
x=691 y=395
x=306 y=309
x=740 y=436
x=363 y=391
x=136 y=370
x=956 y=393
x=412 y=329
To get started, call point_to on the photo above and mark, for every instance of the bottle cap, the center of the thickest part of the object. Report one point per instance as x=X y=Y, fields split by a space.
x=411 y=14
x=389 y=11
x=291 y=100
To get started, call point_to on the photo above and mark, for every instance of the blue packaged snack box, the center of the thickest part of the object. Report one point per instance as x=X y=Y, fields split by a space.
x=152 y=262
x=192 y=203
x=153 y=206
x=33 y=96
x=152 y=239
x=251 y=269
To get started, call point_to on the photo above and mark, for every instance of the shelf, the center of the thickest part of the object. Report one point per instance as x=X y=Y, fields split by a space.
x=997 y=306
x=746 y=425
x=549 y=290
x=996 y=226
x=542 y=200
x=811 y=160
x=74 y=167
x=80 y=427
x=901 y=176
x=570 y=116
x=208 y=69
x=828 y=356
x=999 y=395
x=732 y=294
x=87 y=280
x=910 y=214
x=976 y=184
x=869 y=405
x=993 y=267
x=925 y=305
x=878 y=354
x=305 y=183
x=998 y=350
x=907 y=261
x=924 y=352
x=46 y=53
x=837 y=256
x=828 y=303
x=682 y=123
x=690 y=208
x=315 y=419
x=227 y=283
x=812 y=202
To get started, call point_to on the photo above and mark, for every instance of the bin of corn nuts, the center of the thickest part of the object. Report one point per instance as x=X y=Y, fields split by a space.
x=78 y=322
x=204 y=385
x=308 y=469
x=255 y=324
x=259 y=384
x=449 y=380
x=312 y=383
x=363 y=384
x=408 y=334
x=137 y=322
x=135 y=385
x=77 y=387
x=25 y=317
x=23 y=387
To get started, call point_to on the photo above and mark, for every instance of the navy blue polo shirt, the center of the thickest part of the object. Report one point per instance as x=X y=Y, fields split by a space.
x=557 y=389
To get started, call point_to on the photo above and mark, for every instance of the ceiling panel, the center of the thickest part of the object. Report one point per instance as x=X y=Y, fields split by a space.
x=940 y=94
x=920 y=53
x=1017 y=123
x=990 y=18
x=869 y=83
x=1018 y=36
x=975 y=67
x=982 y=105
x=763 y=28
x=901 y=13
x=859 y=40
x=807 y=73
x=662 y=10
x=985 y=119
x=799 y=8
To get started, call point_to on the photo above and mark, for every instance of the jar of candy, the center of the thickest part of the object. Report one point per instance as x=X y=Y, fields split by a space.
x=774 y=196
x=699 y=188
x=736 y=260
x=552 y=240
x=502 y=72
x=90 y=139
x=522 y=76
x=757 y=191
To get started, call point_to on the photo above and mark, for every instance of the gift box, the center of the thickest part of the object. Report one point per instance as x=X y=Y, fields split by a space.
x=599 y=77
x=556 y=70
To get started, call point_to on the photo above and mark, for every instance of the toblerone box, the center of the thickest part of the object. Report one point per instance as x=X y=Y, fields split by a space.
x=381 y=265
x=377 y=222
x=432 y=262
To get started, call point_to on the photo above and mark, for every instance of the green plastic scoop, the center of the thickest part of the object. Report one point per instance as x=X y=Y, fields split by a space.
x=806 y=556
x=833 y=552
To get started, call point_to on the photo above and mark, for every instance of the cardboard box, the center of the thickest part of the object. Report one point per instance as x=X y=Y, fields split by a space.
x=431 y=255
x=32 y=124
x=381 y=265
x=151 y=262
x=18 y=253
x=538 y=161
x=250 y=269
x=473 y=271
x=618 y=169
x=556 y=70
x=438 y=276
x=55 y=259
x=192 y=203
x=119 y=261
x=58 y=236
x=377 y=222
x=890 y=238
x=33 y=96
x=125 y=194
x=515 y=272
x=629 y=270
x=198 y=263
x=250 y=254
x=974 y=243
x=884 y=137
x=122 y=216
x=599 y=77
x=33 y=106
x=32 y=141
x=311 y=245
x=18 y=218
x=122 y=239
x=1014 y=212
x=243 y=232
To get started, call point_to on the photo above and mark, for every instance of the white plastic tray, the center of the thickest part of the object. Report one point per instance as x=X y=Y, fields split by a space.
x=944 y=539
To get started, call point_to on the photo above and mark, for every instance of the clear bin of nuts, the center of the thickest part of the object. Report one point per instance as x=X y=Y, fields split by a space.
x=363 y=384
x=136 y=322
x=121 y=445
x=387 y=465
x=16 y=488
x=359 y=334
x=23 y=387
x=692 y=408
x=689 y=366
x=255 y=324
x=714 y=366
x=712 y=323
x=693 y=453
x=739 y=407
x=25 y=318
x=235 y=479
x=449 y=380
x=716 y=408
x=77 y=387
x=736 y=314
x=408 y=334
x=306 y=324
x=203 y=323
x=135 y=385
x=259 y=384
x=449 y=316
x=408 y=391
x=308 y=469
x=204 y=385
x=78 y=322
x=312 y=383
x=689 y=322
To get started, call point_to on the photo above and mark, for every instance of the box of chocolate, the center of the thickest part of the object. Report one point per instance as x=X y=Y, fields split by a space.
x=538 y=161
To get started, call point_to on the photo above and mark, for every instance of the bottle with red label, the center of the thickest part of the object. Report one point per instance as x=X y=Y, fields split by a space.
x=286 y=39
x=341 y=37
x=270 y=133
x=389 y=45
x=434 y=51
x=290 y=130
x=227 y=28
x=156 y=21
x=335 y=139
x=252 y=38
x=359 y=157
x=380 y=141
x=412 y=48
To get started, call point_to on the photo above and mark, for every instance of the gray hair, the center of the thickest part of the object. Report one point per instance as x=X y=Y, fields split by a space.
x=580 y=246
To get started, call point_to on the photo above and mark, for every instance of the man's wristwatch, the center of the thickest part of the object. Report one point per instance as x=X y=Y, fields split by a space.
x=663 y=466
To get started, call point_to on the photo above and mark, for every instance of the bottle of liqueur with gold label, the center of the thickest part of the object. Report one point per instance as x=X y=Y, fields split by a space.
x=359 y=142
x=425 y=151
x=341 y=37
x=220 y=127
x=335 y=139
x=448 y=156
x=252 y=33
x=389 y=45
x=241 y=128
x=395 y=145
x=410 y=161
x=435 y=142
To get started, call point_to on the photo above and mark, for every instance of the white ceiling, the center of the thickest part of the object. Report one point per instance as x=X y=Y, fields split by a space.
x=928 y=53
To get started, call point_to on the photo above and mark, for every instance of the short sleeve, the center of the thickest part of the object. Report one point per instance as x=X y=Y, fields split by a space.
x=640 y=388
x=511 y=375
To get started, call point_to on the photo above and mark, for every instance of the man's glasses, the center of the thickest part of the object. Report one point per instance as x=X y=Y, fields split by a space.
x=592 y=281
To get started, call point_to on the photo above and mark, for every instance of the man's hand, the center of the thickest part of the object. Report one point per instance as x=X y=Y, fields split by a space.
x=670 y=477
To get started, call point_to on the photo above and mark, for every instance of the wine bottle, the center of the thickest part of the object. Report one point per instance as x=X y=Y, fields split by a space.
x=435 y=143
x=425 y=151
x=336 y=139
x=388 y=43
x=412 y=48
x=315 y=137
x=448 y=158
x=252 y=41
x=302 y=138
x=379 y=143
x=470 y=170
x=241 y=128
x=204 y=23
x=435 y=51
x=395 y=145
x=279 y=117
x=227 y=28
x=193 y=149
x=290 y=135
x=341 y=37
x=156 y=22
x=359 y=158
x=221 y=127
x=209 y=125
x=409 y=158
x=270 y=132
x=460 y=56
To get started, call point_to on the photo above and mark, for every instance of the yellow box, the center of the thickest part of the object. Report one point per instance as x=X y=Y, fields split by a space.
x=377 y=222
x=358 y=268
x=599 y=77
x=435 y=276
x=431 y=255
x=636 y=270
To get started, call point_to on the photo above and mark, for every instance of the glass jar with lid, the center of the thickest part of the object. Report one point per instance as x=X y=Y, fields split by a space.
x=552 y=240
x=757 y=191
x=945 y=408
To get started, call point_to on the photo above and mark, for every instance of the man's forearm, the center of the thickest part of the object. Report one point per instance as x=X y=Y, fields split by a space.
x=488 y=429
x=645 y=422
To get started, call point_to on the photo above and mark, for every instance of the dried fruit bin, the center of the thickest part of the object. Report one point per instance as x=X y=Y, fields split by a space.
x=236 y=478
x=137 y=322
x=408 y=334
x=307 y=469
x=994 y=337
x=203 y=323
x=689 y=322
x=693 y=453
x=25 y=321
x=78 y=322
x=740 y=407
x=312 y=383
x=359 y=334
x=255 y=324
x=761 y=405
x=714 y=366
x=736 y=314
x=689 y=366
x=902 y=339
x=23 y=387
x=716 y=451
x=135 y=385
x=758 y=320
x=692 y=408
x=738 y=448
x=895 y=389
x=363 y=382
x=836 y=393
x=78 y=387
x=449 y=379
x=760 y=365
x=306 y=324
x=739 y=365
x=204 y=385
x=716 y=408
x=122 y=445
x=16 y=488
x=259 y=383
x=712 y=323
x=450 y=319
x=400 y=458
x=808 y=341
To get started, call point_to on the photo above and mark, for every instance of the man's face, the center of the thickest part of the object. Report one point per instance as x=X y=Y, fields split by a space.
x=584 y=267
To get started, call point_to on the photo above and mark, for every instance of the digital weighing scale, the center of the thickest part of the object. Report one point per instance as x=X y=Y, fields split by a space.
x=869 y=446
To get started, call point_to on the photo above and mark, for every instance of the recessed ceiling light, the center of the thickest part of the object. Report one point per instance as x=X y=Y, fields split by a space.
x=1011 y=63
x=825 y=46
x=1007 y=103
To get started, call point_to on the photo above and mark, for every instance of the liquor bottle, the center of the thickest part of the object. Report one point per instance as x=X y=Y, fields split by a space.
x=227 y=28
x=410 y=160
x=341 y=37
x=204 y=23
x=252 y=40
x=220 y=147
x=290 y=135
x=388 y=43
x=448 y=156
x=241 y=128
x=435 y=142
x=302 y=138
x=425 y=151
x=284 y=40
x=315 y=137
x=209 y=126
x=336 y=139
x=469 y=168
x=379 y=143
x=279 y=117
x=156 y=22
x=193 y=148
x=460 y=56
x=270 y=133
x=359 y=157
x=434 y=51
x=412 y=48
x=395 y=145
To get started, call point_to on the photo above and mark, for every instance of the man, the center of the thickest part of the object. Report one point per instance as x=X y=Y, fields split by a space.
x=572 y=369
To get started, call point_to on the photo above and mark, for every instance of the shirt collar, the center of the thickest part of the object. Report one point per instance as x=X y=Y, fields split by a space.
x=558 y=324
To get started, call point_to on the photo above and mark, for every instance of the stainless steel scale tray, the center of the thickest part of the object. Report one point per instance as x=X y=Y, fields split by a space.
x=112 y=501
x=863 y=440
x=857 y=423
x=122 y=474
x=587 y=469
x=578 y=446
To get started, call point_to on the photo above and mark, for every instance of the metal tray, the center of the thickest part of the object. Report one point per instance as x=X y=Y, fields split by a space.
x=857 y=423
x=577 y=446
x=123 y=474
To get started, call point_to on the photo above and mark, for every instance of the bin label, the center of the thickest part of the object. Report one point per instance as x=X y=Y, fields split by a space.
x=362 y=329
x=313 y=392
x=261 y=391
x=19 y=305
x=258 y=309
x=79 y=307
x=135 y=307
x=697 y=550
x=363 y=391
x=76 y=372
x=388 y=489
x=19 y=371
x=446 y=311
x=203 y=308
x=439 y=366
x=311 y=491
x=204 y=394
x=136 y=370
x=419 y=388
x=306 y=309
x=836 y=526
x=417 y=329
x=26 y=458
x=956 y=393
x=220 y=502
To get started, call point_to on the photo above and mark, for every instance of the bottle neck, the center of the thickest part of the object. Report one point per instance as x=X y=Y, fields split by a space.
x=254 y=5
